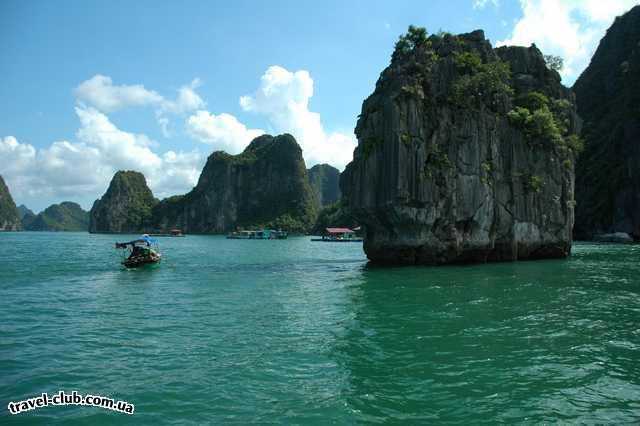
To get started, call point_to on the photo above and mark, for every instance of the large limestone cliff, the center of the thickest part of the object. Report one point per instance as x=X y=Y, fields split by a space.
x=9 y=215
x=608 y=97
x=125 y=207
x=465 y=154
x=266 y=185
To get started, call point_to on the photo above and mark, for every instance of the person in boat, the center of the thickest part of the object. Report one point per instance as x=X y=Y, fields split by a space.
x=141 y=251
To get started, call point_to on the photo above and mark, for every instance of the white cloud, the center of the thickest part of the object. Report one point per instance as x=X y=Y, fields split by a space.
x=82 y=170
x=283 y=97
x=568 y=28
x=481 y=4
x=187 y=100
x=223 y=131
x=100 y=92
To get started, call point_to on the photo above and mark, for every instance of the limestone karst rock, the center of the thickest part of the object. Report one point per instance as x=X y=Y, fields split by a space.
x=265 y=186
x=465 y=154
x=125 y=207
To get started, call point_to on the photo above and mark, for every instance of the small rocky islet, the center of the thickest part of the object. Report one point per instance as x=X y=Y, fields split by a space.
x=466 y=153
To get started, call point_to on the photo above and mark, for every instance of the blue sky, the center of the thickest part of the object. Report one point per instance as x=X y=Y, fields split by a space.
x=89 y=87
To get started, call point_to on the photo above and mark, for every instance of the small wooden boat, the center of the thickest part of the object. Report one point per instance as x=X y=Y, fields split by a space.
x=142 y=251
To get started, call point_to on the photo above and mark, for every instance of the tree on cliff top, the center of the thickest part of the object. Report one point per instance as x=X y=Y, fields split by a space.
x=415 y=37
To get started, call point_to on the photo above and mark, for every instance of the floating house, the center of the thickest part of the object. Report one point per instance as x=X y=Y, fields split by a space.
x=338 y=235
x=262 y=234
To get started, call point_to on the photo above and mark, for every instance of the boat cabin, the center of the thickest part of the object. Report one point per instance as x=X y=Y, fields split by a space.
x=339 y=234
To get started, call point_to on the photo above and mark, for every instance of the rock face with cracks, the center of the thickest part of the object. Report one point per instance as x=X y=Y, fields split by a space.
x=465 y=154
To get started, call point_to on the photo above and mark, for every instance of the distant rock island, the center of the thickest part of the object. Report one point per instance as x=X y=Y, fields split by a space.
x=66 y=216
x=264 y=186
x=608 y=97
x=267 y=185
x=9 y=215
x=465 y=154
x=325 y=182
x=25 y=213
x=125 y=207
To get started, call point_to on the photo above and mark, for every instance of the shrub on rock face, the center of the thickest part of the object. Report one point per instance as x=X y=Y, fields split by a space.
x=480 y=81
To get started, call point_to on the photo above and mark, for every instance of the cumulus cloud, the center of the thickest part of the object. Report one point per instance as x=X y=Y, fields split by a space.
x=283 y=98
x=568 y=28
x=83 y=169
x=100 y=93
x=222 y=131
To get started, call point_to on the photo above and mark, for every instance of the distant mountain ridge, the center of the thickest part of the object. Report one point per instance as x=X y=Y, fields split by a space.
x=66 y=216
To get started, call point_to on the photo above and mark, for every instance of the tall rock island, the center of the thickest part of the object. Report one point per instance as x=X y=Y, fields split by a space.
x=9 y=216
x=608 y=97
x=125 y=207
x=465 y=154
x=264 y=186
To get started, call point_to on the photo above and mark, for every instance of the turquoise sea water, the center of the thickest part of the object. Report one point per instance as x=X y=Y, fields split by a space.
x=232 y=331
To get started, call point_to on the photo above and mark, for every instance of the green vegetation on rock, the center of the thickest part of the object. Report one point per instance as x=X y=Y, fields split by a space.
x=480 y=82
x=541 y=119
x=416 y=37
